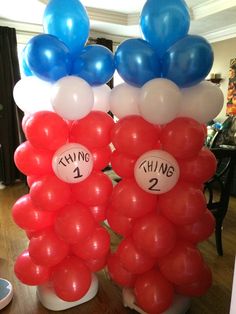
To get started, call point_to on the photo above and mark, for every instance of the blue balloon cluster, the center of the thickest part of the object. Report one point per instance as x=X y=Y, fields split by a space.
x=167 y=50
x=61 y=50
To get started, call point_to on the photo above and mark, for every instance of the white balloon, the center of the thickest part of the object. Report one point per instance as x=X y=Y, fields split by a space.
x=101 y=98
x=72 y=98
x=160 y=101
x=202 y=102
x=124 y=100
x=32 y=94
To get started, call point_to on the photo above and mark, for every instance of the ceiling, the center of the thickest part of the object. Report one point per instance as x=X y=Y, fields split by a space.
x=212 y=19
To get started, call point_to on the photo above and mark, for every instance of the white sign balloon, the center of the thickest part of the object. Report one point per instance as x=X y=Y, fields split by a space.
x=156 y=172
x=72 y=163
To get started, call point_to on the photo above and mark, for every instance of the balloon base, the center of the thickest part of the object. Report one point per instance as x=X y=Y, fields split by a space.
x=6 y=293
x=180 y=305
x=51 y=301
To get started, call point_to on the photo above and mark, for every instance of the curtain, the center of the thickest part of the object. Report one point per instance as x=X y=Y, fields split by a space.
x=109 y=44
x=11 y=134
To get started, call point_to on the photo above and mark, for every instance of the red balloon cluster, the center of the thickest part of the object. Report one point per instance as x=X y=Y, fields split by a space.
x=158 y=255
x=63 y=220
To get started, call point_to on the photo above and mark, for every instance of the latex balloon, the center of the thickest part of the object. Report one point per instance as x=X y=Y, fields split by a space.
x=163 y=22
x=74 y=223
x=47 y=248
x=46 y=130
x=199 y=287
x=32 y=94
x=72 y=98
x=188 y=61
x=119 y=223
x=68 y=21
x=131 y=201
x=94 y=64
x=99 y=212
x=71 y=279
x=183 y=138
x=50 y=193
x=183 y=265
x=200 y=230
x=28 y=217
x=101 y=95
x=93 y=191
x=199 y=168
x=28 y=272
x=32 y=161
x=93 y=131
x=96 y=246
x=133 y=135
x=72 y=163
x=137 y=62
x=202 y=102
x=48 y=57
x=124 y=100
x=153 y=293
x=101 y=157
x=156 y=172
x=96 y=264
x=123 y=164
x=24 y=66
x=184 y=204
x=154 y=235
x=118 y=273
x=160 y=101
x=133 y=259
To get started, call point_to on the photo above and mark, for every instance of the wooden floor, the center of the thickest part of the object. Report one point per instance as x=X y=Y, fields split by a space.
x=108 y=299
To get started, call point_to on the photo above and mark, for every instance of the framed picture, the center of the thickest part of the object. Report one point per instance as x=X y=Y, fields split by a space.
x=231 y=94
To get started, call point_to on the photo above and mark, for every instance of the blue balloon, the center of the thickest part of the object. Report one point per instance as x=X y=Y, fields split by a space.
x=68 y=20
x=163 y=22
x=48 y=57
x=137 y=62
x=95 y=64
x=188 y=61
x=24 y=66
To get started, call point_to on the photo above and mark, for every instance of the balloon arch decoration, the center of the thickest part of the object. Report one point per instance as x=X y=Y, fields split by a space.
x=156 y=147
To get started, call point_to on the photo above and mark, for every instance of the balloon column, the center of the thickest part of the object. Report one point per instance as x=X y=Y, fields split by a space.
x=159 y=207
x=67 y=128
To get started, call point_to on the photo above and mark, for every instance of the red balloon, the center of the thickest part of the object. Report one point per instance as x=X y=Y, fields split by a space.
x=119 y=223
x=101 y=157
x=199 y=287
x=96 y=264
x=50 y=193
x=131 y=201
x=134 y=136
x=183 y=138
x=123 y=164
x=46 y=130
x=199 y=168
x=32 y=161
x=199 y=230
x=28 y=217
x=183 y=265
x=184 y=204
x=93 y=131
x=133 y=259
x=47 y=249
x=96 y=246
x=71 y=279
x=154 y=234
x=118 y=273
x=28 y=272
x=32 y=179
x=95 y=190
x=74 y=223
x=99 y=212
x=23 y=121
x=154 y=294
